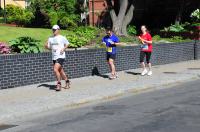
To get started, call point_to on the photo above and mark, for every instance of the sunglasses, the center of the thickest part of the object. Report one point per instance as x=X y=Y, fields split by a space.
x=54 y=30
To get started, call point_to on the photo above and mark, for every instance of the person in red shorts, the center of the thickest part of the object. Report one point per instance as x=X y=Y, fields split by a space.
x=146 y=51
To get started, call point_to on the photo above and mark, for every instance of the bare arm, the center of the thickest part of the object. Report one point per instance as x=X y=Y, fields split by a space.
x=65 y=47
x=145 y=41
x=46 y=46
x=119 y=44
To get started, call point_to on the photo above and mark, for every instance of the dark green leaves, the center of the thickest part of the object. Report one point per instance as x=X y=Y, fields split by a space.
x=25 y=45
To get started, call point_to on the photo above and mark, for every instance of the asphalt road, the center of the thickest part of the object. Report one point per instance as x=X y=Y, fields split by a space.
x=175 y=109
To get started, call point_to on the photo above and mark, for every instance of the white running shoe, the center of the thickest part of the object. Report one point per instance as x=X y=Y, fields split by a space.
x=111 y=77
x=144 y=72
x=149 y=73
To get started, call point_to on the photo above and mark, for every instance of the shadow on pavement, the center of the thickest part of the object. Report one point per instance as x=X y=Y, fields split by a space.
x=170 y=72
x=51 y=87
x=193 y=68
x=133 y=73
x=5 y=126
x=95 y=72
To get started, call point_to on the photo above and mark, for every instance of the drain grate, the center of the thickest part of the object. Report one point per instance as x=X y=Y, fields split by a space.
x=5 y=126
x=193 y=68
x=170 y=72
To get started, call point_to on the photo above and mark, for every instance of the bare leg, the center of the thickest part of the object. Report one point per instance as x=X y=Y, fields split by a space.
x=64 y=77
x=109 y=66
x=112 y=67
x=144 y=72
x=57 y=68
x=143 y=65
x=149 y=65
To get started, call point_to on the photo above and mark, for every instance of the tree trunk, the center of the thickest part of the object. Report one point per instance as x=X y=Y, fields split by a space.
x=121 y=21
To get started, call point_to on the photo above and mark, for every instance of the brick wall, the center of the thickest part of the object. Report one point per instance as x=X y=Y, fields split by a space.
x=26 y=69
x=197 y=50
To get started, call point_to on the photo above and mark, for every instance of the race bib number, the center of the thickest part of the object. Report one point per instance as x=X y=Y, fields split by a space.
x=109 y=49
x=145 y=47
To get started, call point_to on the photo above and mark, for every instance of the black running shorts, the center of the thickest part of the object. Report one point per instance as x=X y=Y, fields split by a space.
x=59 y=61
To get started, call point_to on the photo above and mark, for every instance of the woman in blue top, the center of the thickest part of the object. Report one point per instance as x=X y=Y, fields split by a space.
x=111 y=41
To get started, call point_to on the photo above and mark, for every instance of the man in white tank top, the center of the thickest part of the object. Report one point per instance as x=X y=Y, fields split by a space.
x=58 y=44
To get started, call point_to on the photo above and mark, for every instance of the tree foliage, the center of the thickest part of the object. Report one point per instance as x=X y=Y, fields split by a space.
x=57 y=11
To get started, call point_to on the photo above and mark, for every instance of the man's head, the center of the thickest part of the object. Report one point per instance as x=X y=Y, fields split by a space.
x=56 y=30
x=109 y=31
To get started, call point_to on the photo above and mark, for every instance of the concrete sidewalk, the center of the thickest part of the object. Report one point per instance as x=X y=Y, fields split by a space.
x=37 y=98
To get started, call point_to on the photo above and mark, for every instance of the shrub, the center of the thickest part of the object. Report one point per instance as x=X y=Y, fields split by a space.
x=156 y=37
x=62 y=12
x=41 y=19
x=129 y=39
x=66 y=22
x=63 y=19
x=77 y=41
x=87 y=32
x=1 y=12
x=177 y=27
x=178 y=39
x=81 y=36
x=132 y=30
x=4 y=49
x=171 y=39
x=12 y=10
x=25 y=19
x=18 y=15
x=25 y=45
x=53 y=18
x=196 y=15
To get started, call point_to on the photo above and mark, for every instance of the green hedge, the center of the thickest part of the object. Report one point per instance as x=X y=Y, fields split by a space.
x=81 y=36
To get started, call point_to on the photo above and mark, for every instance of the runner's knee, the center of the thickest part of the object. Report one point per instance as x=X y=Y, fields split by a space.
x=56 y=69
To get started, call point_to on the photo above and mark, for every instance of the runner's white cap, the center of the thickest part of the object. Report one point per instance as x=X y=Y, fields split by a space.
x=56 y=27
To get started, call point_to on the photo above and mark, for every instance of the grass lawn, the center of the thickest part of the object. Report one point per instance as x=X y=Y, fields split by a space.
x=9 y=33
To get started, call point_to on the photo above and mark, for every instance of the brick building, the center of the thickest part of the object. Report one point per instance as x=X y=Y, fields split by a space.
x=97 y=11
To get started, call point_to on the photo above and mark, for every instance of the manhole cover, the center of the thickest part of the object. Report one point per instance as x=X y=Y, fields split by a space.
x=193 y=68
x=170 y=72
x=4 y=126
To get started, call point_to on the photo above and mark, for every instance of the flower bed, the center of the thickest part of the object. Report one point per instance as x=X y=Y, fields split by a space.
x=4 y=49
